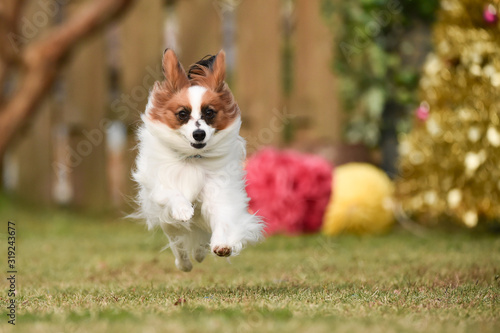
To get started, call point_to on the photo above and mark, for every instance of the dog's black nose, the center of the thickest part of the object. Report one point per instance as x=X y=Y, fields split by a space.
x=199 y=135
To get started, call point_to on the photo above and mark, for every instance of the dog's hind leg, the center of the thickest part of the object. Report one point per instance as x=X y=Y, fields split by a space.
x=182 y=261
x=178 y=245
x=201 y=244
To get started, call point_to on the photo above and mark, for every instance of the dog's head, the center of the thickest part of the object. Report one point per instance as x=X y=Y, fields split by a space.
x=190 y=110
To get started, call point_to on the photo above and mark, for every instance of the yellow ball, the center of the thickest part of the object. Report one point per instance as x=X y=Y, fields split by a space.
x=361 y=201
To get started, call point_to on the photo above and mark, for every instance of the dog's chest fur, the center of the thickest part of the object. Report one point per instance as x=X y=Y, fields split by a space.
x=187 y=177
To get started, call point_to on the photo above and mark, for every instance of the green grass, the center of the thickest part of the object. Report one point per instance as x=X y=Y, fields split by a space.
x=93 y=274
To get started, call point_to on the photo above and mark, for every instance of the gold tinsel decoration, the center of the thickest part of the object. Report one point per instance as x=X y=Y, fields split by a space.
x=450 y=162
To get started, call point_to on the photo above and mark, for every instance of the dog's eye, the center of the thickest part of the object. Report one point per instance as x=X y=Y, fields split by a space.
x=209 y=114
x=183 y=115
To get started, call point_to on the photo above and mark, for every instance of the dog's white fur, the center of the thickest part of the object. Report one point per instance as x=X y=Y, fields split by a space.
x=197 y=196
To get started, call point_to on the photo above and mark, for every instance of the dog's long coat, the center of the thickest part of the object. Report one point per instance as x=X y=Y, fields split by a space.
x=190 y=163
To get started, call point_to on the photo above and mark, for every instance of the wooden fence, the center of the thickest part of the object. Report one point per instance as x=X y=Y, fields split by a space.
x=79 y=148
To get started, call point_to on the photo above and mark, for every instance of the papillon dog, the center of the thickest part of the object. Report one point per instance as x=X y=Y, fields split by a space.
x=190 y=159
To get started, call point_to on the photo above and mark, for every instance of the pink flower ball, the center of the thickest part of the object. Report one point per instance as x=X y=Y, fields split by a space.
x=289 y=190
x=490 y=14
x=422 y=112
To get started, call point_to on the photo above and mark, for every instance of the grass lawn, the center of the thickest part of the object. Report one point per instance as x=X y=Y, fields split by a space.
x=93 y=274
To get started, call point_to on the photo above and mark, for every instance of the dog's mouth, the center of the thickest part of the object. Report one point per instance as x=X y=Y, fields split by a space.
x=198 y=145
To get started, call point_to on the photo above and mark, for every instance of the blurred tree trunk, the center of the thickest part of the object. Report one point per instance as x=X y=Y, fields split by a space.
x=258 y=81
x=39 y=61
x=314 y=102
x=86 y=103
x=31 y=157
x=140 y=62
x=139 y=67
x=200 y=29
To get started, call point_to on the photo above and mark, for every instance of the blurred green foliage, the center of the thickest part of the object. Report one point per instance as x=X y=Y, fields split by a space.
x=377 y=59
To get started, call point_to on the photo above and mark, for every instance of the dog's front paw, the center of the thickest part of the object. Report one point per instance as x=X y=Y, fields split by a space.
x=182 y=210
x=222 y=250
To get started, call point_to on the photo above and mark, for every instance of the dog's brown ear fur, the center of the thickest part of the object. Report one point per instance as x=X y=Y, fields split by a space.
x=209 y=72
x=219 y=70
x=175 y=76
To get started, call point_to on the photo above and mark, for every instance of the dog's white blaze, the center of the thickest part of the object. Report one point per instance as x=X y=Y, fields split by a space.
x=195 y=94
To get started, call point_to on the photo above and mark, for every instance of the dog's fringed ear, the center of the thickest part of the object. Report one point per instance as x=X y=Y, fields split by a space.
x=219 y=70
x=209 y=72
x=175 y=76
